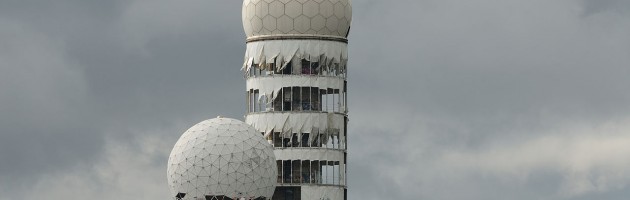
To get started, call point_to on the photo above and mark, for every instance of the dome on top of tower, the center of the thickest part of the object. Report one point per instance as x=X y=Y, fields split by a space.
x=297 y=17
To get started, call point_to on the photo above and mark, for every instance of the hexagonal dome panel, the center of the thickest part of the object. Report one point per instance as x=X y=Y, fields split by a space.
x=222 y=157
x=311 y=17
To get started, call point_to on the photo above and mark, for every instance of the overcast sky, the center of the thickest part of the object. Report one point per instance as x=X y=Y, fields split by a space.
x=449 y=99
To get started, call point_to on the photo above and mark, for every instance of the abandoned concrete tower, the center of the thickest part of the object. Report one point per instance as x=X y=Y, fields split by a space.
x=296 y=69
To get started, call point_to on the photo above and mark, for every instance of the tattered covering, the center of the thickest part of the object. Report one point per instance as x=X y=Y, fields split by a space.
x=270 y=87
x=289 y=123
x=309 y=154
x=281 y=52
x=322 y=192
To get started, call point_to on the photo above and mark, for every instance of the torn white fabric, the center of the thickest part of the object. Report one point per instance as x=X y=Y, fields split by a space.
x=322 y=192
x=280 y=52
x=289 y=123
x=270 y=86
x=309 y=154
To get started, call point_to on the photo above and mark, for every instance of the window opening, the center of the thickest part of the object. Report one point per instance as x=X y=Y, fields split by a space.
x=306 y=171
x=295 y=140
x=304 y=142
x=296 y=171
x=256 y=101
x=279 y=166
x=288 y=68
x=247 y=101
x=277 y=139
x=286 y=171
x=316 y=172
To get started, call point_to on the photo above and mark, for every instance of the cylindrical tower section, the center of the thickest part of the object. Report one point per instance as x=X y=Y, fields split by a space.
x=296 y=70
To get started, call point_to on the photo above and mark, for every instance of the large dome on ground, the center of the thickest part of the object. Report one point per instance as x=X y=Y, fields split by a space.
x=312 y=17
x=222 y=158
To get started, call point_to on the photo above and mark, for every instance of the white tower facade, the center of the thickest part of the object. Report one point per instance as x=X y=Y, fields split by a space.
x=296 y=70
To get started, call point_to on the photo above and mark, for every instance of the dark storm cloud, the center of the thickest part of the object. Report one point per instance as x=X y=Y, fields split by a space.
x=448 y=99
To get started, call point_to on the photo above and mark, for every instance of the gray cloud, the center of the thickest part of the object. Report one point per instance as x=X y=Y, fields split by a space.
x=591 y=7
x=461 y=77
x=43 y=92
x=448 y=99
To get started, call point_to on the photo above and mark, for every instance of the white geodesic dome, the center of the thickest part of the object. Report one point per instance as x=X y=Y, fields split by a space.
x=222 y=157
x=313 y=17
